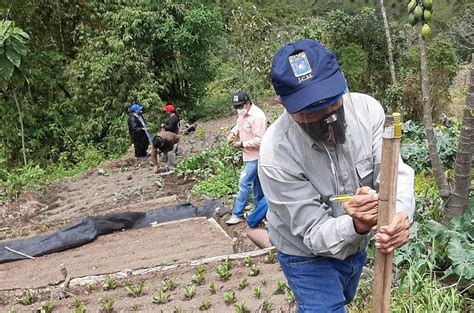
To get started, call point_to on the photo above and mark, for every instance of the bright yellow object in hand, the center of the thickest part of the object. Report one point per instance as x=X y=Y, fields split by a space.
x=340 y=198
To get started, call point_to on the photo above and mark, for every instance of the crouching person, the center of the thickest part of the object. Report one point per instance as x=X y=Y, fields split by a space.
x=255 y=231
x=164 y=143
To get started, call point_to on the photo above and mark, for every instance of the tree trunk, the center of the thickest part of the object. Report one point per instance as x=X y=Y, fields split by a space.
x=462 y=168
x=20 y=118
x=389 y=44
x=438 y=168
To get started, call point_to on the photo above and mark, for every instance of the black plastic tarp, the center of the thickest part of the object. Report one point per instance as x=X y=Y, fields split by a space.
x=89 y=228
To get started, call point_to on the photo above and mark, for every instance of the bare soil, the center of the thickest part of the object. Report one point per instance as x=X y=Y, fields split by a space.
x=131 y=249
x=123 y=302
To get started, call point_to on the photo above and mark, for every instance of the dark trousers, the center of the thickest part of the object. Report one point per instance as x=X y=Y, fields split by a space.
x=141 y=145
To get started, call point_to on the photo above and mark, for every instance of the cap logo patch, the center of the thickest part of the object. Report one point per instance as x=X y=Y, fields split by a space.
x=236 y=98
x=300 y=66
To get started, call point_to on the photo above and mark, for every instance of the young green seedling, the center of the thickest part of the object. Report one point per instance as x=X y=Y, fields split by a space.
x=241 y=308
x=223 y=272
x=89 y=287
x=205 y=305
x=254 y=270
x=267 y=306
x=198 y=279
x=290 y=297
x=243 y=283
x=109 y=283
x=169 y=285
x=189 y=292
x=106 y=305
x=213 y=288
x=136 y=291
x=228 y=263
x=281 y=288
x=47 y=306
x=200 y=270
x=270 y=258
x=248 y=261
x=79 y=306
x=229 y=297
x=28 y=298
x=160 y=297
x=257 y=292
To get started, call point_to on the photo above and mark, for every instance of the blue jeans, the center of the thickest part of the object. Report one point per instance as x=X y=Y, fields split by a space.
x=322 y=284
x=258 y=214
x=248 y=179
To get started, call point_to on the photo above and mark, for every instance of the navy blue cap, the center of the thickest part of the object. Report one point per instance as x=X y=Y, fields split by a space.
x=305 y=74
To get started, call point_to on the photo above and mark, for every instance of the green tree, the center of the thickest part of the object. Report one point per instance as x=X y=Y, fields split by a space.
x=456 y=194
x=13 y=48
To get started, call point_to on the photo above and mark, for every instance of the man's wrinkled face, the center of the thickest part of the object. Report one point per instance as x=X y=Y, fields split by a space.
x=327 y=125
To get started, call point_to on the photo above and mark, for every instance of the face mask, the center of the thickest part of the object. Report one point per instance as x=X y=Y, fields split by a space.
x=330 y=129
x=241 y=112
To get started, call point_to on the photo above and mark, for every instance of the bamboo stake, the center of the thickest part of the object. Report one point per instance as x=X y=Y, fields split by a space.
x=386 y=212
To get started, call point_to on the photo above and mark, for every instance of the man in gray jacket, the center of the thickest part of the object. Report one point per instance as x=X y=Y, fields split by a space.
x=328 y=142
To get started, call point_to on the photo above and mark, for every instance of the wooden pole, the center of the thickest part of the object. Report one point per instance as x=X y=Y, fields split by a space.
x=387 y=200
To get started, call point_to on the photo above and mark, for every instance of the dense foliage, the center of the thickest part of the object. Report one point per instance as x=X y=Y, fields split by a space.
x=89 y=60
x=414 y=150
x=216 y=170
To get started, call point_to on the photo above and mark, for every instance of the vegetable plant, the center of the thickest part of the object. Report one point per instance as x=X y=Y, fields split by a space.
x=229 y=297
x=47 y=306
x=228 y=263
x=136 y=291
x=213 y=288
x=189 y=292
x=243 y=283
x=223 y=272
x=169 y=285
x=281 y=287
x=248 y=261
x=89 y=287
x=290 y=297
x=198 y=279
x=161 y=297
x=254 y=270
x=205 y=305
x=257 y=292
x=109 y=283
x=28 y=298
x=267 y=306
x=106 y=305
x=270 y=258
x=79 y=306
x=241 y=308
